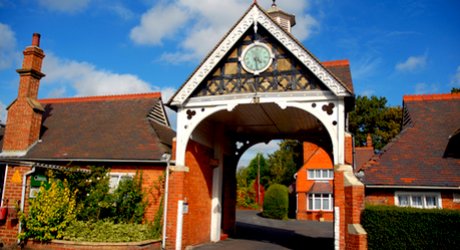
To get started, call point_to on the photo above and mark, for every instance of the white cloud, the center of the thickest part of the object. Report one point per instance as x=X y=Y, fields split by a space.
x=86 y=80
x=8 y=54
x=425 y=88
x=121 y=11
x=201 y=25
x=456 y=79
x=365 y=67
x=158 y=23
x=67 y=6
x=412 y=63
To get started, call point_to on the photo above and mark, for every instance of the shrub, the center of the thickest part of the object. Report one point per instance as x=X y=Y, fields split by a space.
x=392 y=227
x=106 y=231
x=276 y=202
x=129 y=201
x=49 y=213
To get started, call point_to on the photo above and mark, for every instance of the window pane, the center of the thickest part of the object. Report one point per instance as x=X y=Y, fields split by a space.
x=431 y=201
x=317 y=202
x=403 y=200
x=325 y=174
x=310 y=202
x=417 y=201
x=331 y=174
x=311 y=174
x=326 y=201
x=113 y=183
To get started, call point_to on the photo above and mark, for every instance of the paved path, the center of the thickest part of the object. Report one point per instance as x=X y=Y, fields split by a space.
x=256 y=232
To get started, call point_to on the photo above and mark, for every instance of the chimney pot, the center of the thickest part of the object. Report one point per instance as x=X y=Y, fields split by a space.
x=36 y=40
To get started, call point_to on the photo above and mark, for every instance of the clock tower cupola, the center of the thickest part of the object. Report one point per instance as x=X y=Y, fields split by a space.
x=287 y=21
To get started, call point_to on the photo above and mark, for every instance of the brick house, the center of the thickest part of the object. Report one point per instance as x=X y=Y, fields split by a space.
x=126 y=133
x=421 y=166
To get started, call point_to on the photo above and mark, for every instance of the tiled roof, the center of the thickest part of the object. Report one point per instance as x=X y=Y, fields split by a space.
x=362 y=155
x=102 y=128
x=320 y=188
x=416 y=156
x=341 y=69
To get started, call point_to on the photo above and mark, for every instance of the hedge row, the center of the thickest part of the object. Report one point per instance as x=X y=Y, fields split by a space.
x=391 y=227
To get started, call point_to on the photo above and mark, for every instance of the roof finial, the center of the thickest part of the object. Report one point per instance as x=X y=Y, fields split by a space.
x=274 y=3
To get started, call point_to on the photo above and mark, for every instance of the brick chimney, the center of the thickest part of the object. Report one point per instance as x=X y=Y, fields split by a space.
x=25 y=113
x=285 y=20
x=369 y=140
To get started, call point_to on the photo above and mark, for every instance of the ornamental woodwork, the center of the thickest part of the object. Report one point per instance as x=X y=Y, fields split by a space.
x=285 y=73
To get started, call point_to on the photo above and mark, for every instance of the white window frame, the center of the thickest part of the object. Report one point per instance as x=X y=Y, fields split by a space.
x=456 y=197
x=318 y=174
x=323 y=197
x=412 y=202
x=119 y=177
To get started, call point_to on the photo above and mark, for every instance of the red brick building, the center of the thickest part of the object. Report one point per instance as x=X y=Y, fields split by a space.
x=126 y=133
x=421 y=166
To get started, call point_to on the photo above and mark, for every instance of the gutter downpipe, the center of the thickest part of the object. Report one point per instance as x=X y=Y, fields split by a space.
x=165 y=202
x=23 y=195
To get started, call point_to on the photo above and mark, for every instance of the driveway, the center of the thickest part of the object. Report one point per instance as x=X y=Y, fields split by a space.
x=256 y=232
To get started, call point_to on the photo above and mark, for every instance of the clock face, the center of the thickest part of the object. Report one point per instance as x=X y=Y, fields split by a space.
x=256 y=58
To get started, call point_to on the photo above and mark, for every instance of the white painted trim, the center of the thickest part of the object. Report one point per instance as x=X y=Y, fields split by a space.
x=179 y=224
x=4 y=183
x=336 y=228
x=217 y=178
x=253 y=17
x=413 y=187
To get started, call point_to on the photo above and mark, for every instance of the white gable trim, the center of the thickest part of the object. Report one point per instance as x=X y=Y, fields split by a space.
x=257 y=17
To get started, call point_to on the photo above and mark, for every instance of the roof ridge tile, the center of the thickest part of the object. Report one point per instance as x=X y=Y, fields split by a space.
x=101 y=98
x=431 y=97
x=335 y=63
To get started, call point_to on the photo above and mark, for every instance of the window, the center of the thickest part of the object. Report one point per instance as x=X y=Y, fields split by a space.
x=418 y=200
x=319 y=202
x=320 y=174
x=115 y=179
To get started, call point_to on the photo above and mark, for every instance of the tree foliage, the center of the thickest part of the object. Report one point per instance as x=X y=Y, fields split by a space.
x=373 y=116
x=284 y=162
x=455 y=90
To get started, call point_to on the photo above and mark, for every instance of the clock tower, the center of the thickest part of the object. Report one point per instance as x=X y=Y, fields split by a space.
x=287 y=21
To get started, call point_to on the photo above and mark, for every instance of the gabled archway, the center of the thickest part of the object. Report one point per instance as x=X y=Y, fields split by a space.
x=225 y=103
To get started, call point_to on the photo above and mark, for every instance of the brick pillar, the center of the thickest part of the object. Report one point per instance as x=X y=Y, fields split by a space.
x=348 y=149
x=176 y=193
x=349 y=197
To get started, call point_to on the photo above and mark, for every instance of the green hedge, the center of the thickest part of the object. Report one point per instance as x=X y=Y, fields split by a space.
x=390 y=227
x=276 y=202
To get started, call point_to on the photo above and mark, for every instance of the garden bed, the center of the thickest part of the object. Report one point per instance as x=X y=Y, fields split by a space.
x=69 y=245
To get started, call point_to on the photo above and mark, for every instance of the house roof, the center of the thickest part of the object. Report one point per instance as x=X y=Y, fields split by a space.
x=416 y=156
x=319 y=187
x=341 y=69
x=362 y=156
x=112 y=128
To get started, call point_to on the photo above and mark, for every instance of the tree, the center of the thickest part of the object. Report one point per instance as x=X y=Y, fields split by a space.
x=284 y=162
x=455 y=90
x=373 y=116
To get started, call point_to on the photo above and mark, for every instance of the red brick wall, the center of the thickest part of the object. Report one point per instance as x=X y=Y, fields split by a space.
x=12 y=197
x=348 y=149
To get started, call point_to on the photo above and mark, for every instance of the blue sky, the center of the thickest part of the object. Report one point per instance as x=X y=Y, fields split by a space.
x=99 y=47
